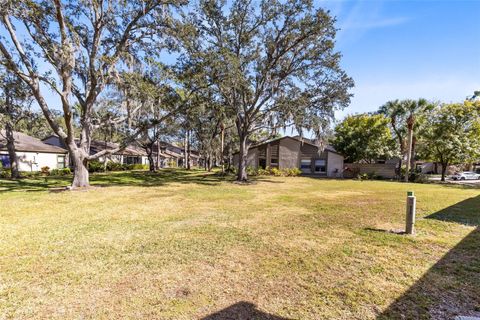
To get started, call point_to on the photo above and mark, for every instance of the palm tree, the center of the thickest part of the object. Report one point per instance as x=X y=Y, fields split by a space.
x=395 y=111
x=403 y=116
x=414 y=108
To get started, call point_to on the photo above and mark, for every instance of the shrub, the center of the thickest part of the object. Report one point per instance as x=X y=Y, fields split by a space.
x=276 y=172
x=232 y=170
x=114 y=166
x=31 y=174
x=251 y=171
x=60 y=172
x=5 y=173
x=263 y=172
x=139 y=166
x=418 y=177
x=95 y=166
x=368 y=176
x=292 y=172
x=172 y=164
x=286 y=172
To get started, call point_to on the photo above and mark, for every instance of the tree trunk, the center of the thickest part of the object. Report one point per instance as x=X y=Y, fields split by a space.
x=229 y=162
x=157 y=166
x=242 y=160
x=409 y=151
x=413 y=154
x=444 y=170
x=222 y=139
x=14 y=173
x=151 y=163
x=400 y=167
x=185 y=151
x=80 y=169
x=189 y=165
x=209 y=163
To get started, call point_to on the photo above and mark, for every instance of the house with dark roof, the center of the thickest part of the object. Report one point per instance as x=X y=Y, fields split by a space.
x=33 y=154
x=170 y=155
x=295 y=152
x=132 y=154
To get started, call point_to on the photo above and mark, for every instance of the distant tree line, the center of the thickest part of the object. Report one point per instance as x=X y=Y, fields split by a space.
x=445 y=133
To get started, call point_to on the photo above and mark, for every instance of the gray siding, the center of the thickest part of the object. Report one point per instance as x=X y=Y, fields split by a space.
x=384 y=170
x=334 y=165
x=252 y=158
x=289 y=153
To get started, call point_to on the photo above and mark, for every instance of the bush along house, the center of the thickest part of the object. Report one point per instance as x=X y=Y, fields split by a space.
x=295 y=152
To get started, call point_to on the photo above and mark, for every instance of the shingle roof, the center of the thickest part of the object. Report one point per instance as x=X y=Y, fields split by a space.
x=298 y=138
x=173 y=150
x=27 y=143
x=131 y=150
x=98 y=145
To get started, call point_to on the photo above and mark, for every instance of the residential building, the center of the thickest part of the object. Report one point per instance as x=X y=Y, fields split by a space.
x=170 y=155
x=32 y=153
x=132 y=154
x=295 y=152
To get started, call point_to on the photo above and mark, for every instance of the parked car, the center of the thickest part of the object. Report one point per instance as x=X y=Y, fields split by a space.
x=466 y=175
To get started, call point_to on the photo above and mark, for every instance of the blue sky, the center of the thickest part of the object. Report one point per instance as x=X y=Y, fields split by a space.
x=396 y=49
x=408 y=49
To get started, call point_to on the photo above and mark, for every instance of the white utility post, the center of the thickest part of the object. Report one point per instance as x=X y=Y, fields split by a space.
x=411 y=207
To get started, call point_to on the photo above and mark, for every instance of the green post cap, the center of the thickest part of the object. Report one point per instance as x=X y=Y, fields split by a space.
x=409 y=193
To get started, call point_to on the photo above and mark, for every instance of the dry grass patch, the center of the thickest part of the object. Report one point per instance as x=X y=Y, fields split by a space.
x=179 y=245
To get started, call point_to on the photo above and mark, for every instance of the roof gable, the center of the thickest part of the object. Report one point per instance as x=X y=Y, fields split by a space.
x=298 y=139
x=27 y=143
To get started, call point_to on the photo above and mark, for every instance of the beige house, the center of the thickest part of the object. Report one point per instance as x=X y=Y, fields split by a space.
x=32 y=153
x=169 y=155
x=295 y=152
x=132 y=154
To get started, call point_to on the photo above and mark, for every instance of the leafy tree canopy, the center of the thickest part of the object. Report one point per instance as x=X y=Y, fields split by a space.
x=452 y=134
x=364 y=137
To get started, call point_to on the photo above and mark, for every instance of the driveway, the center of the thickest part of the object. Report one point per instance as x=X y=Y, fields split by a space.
x=460 y=182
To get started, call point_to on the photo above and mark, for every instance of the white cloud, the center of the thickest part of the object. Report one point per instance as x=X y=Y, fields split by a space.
x=376 y=23
x=354 y=21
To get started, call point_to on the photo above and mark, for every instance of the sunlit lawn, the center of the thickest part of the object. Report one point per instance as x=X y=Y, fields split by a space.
x=178 y=245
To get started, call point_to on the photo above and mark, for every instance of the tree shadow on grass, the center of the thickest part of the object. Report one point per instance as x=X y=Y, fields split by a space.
x=127 y=178
x=242 y=311
x=452 y=286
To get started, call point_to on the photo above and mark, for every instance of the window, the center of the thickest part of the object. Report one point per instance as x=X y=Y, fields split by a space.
x=60 y=162
x=320 y=166
x=262 y=163
x=132 y=160
x=5 y=160
x=274 y=162
x=305 y=164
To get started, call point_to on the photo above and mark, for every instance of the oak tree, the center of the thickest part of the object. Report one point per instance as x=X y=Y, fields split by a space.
x=76 y=49
x=271 y=63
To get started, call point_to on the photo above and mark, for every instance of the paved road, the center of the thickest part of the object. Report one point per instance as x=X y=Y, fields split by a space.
x=461 y=182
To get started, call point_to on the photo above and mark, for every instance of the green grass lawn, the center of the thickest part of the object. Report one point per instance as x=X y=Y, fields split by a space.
x=180 y=245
